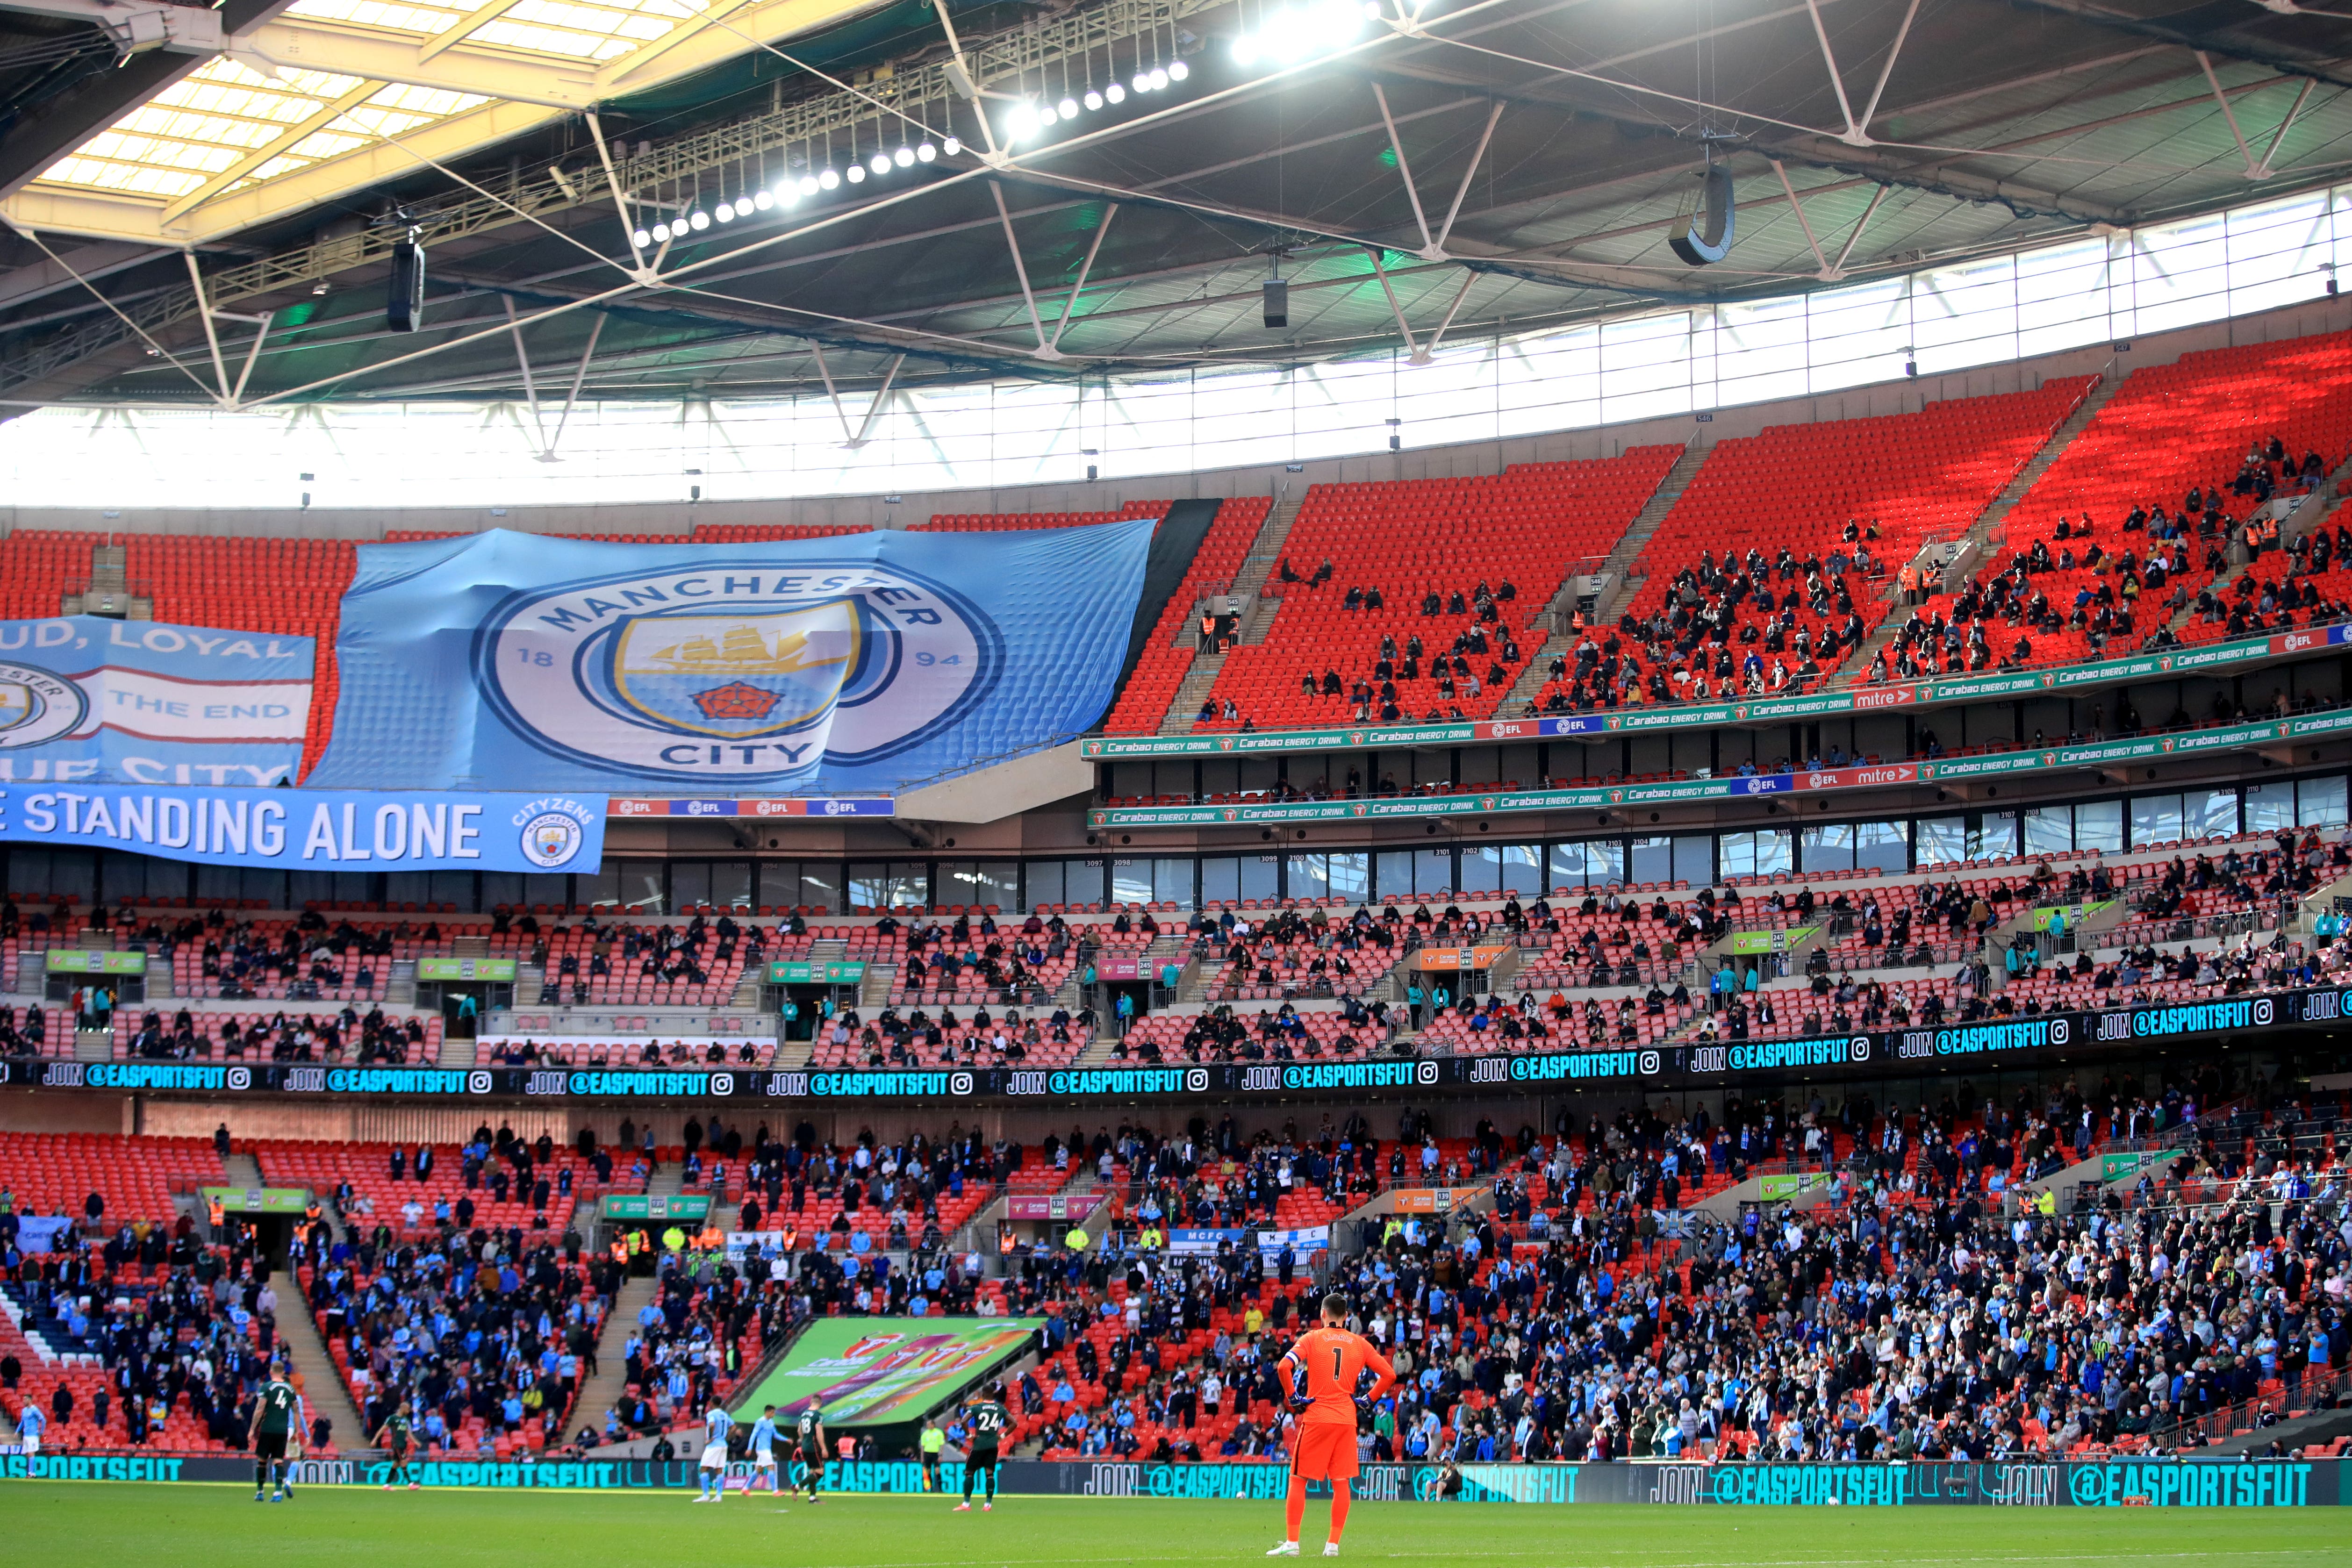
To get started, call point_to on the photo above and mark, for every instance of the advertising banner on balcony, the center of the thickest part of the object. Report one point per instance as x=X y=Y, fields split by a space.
x=89 y=699
x=879 y=1372
x=859 y=663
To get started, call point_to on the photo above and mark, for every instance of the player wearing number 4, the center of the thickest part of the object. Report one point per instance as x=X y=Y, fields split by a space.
x=276 y=1434
x=1321 y=1374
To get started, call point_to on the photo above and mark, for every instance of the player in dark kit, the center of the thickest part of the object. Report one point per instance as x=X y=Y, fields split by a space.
x=394 y=1440
x=277 y=1416
x=811 y=1440
x=988 y=1423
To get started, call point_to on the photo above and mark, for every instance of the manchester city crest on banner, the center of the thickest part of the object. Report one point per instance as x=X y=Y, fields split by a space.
x=735 y=675
x=36 y=705
x=737 y=671
x=553 y=829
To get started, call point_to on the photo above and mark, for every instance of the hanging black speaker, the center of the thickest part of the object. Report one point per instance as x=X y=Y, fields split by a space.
x=1704 y=234
x=403 y=293
x=1277 y=303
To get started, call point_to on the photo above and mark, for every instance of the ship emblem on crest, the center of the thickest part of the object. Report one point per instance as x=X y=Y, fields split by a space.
x=736 y=675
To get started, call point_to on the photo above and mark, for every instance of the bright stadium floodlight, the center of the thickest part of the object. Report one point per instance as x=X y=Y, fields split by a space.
x=1068 y=108
x=1297 y=33
x=810 y=185
x=724 y=213
x=926 y=152
x=661 y=233
x=641 y=239
x=699 y=221
x=1115 y=93
x=854 y=173
x=1178 y=70
x=904 y=157
x=952 y=145
x=829 y=179
x=763 y=200
x=1094 y=100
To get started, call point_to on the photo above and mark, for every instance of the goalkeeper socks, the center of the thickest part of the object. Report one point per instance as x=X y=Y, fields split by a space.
x=1295 y=1509
x=1339 y=1500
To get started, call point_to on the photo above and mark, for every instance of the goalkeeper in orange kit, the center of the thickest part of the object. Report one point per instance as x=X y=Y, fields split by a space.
x=1321 y=1374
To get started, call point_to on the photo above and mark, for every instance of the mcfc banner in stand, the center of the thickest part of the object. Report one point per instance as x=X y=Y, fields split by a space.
x=857 y=664
x=88 y=699
x=315 y=830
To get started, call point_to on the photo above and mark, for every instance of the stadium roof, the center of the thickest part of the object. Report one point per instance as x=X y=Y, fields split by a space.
x=1464 y=168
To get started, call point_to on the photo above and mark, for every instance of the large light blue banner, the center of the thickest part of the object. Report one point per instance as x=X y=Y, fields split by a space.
x=89 y=699
x=316 y=830
x=862 y=663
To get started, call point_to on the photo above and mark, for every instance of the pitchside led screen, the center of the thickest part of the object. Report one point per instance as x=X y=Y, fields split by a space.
x=879 y=1372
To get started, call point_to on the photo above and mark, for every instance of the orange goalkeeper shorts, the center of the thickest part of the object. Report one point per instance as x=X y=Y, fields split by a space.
x=1324 y=1452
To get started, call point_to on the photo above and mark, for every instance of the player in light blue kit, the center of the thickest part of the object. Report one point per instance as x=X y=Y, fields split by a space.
x=716 y=1426
x=764 y=1452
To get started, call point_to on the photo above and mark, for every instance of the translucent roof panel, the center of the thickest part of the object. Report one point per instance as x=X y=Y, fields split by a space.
x=596 y=30
x=225 y=128
x=393 y=15
x=197 y=128
x=390 y=110
x=602 y=31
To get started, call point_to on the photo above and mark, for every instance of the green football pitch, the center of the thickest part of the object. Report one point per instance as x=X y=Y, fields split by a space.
x=111 y=1524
